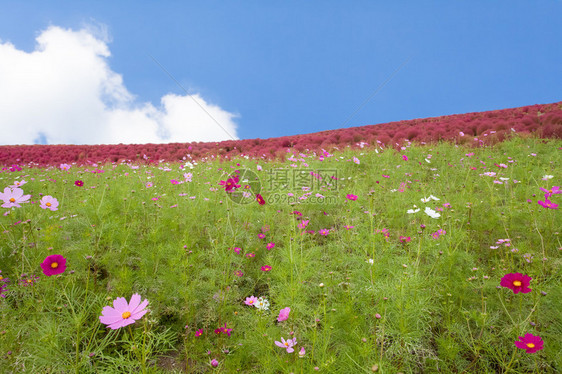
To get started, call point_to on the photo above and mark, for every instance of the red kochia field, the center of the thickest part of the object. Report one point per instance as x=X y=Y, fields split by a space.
x=487 y=127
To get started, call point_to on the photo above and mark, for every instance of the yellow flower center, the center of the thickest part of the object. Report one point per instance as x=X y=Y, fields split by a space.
x=286 y=344
x=126 y=315
x=48 y=204
x=1 y=277
x=54 y=265
x=12 y=200
x=29 y=281
x=517 y=283
x=530 y=345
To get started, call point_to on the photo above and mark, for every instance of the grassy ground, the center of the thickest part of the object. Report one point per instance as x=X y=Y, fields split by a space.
x=361 y=298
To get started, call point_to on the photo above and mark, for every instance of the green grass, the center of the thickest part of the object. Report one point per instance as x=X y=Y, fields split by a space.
x=438 y=300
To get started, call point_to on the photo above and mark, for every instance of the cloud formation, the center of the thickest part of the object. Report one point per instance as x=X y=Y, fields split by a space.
x=64 y=92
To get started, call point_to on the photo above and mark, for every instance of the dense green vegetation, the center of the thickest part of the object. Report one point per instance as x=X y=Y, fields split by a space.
x=382 y=290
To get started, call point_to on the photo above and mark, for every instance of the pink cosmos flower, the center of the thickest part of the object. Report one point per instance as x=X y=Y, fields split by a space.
x=348 y=227
x=251 y=301
x=302 y=352
x=53 y=264
x=18 y=184
x=530 y=343
x=78 y=183
x=270 y=246
x=198 y=333
x=284 y=314
x=261 y=236
x=547 y=204
x=516 y=282
x=214 y=363
x=13 y=197
x=351 y=197
x=49 y=202
x=123 y=314
x=405 y=158
x=324 y=232
x=64 y=166
x=303 y=224
x=239 y=273
x=237 y=250
x=266 y=268
x=288 y=344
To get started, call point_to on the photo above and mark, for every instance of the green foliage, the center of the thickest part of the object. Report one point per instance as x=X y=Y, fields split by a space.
x=358 y=298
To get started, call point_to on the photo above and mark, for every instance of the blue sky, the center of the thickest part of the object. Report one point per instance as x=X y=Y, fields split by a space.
x=299 y=67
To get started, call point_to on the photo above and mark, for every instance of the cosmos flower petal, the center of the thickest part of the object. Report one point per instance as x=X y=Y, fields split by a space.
x=110 y=316
x=139 y=307
x=520 y=344
x=134 y=303
x=121 y=304
x=139 y=314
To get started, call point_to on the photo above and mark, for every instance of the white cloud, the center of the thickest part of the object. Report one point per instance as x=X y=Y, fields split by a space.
x=64 y=92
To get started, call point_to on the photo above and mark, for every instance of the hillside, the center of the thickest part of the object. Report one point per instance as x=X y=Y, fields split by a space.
x=471 y=128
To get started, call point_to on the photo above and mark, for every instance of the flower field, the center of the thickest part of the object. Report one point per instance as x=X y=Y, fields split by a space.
x=438 y=258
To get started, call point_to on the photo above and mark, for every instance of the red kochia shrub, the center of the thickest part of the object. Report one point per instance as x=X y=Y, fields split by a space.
x=544 y=120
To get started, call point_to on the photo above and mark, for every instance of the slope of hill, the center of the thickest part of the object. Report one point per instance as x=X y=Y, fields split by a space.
x=476 y=128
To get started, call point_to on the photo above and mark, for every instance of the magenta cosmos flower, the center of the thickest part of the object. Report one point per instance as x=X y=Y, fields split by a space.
x=230 y=183
x=530 y=343
x=516 y=282
x=53 y=265
x=266 y=268
x=12 y=197
x=49 y=202
x=123 y=313
x=547 y=204
x=270 y=246
x=288 y=344
x=78 y=183
x=553 y=191
x=259 y=199
x=251 y=301
x=284 y=314
x=351 y=197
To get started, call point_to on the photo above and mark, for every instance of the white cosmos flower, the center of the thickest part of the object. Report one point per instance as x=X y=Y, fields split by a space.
x=547 y=177
x=262 y=304
x=431 y=197
x=432 y=213
x=412 y=211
